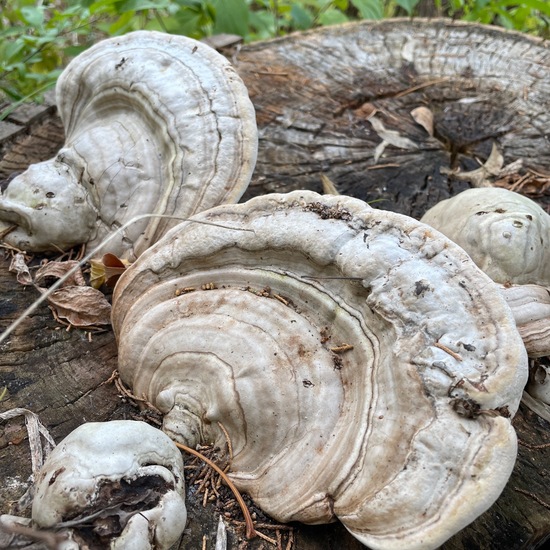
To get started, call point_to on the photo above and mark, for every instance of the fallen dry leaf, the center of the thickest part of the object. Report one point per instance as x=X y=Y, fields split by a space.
x=531 y=183
x=493 y=167
x=389 y=137
x=81 y=306
x=20 y=268
x=58 y=270
x=366 y=110
x=424 y=117
x=107 y=270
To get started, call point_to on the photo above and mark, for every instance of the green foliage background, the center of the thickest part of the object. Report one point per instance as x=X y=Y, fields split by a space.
x=37 y=38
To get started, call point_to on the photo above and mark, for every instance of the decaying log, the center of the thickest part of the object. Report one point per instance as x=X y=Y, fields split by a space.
x=325 y=100
x=314 y=94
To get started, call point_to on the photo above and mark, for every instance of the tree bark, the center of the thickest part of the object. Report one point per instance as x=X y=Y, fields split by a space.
x=315 y=95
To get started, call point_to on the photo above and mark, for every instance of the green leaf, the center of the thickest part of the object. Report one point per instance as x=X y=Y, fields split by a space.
x=33 y=15
x=138 y=5
x=13 y=95
x=263 y=23
x=342 y=5
x=73 y=51
x=34 y=95
x=186 y=22
x=407 y=5
x=12 y=51
x=84 y=3
x=231 y=17
x=196 y=5
x=301 y=17
x=332 y=17
x=369 y=9
x=103 y=6
x=121 y=24
x=535 y=5
x=12 y=31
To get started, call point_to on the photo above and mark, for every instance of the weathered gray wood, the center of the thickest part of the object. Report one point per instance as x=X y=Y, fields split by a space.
x=55 y=373
x=313 y=93
x=22 y=121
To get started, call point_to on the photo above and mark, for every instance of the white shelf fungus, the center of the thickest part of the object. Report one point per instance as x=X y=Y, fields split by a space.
x=154 y=123
x=508 y=236
x=364 y=368
x=118 y=484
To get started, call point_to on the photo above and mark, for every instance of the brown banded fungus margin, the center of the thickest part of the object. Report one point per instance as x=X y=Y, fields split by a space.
x=116 y=485
x=154 y=123
x=363 y=367
x=508 y=236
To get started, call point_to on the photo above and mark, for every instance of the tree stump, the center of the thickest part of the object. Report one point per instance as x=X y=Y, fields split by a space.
x=335 y=102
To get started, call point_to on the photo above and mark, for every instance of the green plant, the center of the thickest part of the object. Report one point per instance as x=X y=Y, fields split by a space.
x=532 y=16
x=37 y=37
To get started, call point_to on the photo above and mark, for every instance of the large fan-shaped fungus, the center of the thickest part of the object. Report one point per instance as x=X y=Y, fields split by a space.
x=508 y=236
x=364 y=368
x=154 y=123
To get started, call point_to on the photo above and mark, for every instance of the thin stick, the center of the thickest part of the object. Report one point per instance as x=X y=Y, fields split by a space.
x=42 y=298
x=50 y=539
x=534 y=497
x=421 y=86
x=448 y=350
x=250 y=531
x=272 y=527
x=265 y=537
x=229 y=446
x=290 y=541
x=534 y=447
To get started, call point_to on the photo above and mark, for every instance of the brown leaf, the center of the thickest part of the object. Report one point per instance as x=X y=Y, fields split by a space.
x=424 y=117
x=81 y=306
x=495 y=162
x=366 y=110
x=19 y=267
x=107 y=270
x=480 y=177
x=60 y=269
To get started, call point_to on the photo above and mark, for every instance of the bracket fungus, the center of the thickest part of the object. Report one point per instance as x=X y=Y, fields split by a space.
x=508 y=236
x=154 y=124
x=115 y=485
x=364 y=368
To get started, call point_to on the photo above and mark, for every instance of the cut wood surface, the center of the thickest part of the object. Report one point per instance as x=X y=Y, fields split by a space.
x=339 y=102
